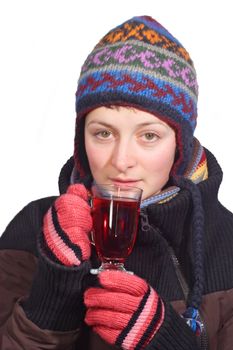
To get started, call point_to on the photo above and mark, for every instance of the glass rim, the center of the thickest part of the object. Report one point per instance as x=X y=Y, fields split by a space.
x=117 y=186
x=116 y=191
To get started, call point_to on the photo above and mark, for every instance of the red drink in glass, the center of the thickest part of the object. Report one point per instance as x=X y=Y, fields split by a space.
x=115 y=211
x=115 y=223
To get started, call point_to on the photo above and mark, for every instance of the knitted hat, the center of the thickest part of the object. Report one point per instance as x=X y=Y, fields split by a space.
x=140 y=64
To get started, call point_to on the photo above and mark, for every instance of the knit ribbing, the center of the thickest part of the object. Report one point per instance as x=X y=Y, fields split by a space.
x=198 y=239
x=167 y=338
x=55 y=301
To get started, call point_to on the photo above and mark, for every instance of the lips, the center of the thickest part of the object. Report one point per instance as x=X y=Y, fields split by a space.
x=124 y=181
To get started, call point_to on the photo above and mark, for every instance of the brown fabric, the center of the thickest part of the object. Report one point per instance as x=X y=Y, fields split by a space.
x=17 y=332
x=15 y=282
x=217 y=313
x=20 y=333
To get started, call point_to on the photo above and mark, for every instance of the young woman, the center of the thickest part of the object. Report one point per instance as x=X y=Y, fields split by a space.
x=136 y=107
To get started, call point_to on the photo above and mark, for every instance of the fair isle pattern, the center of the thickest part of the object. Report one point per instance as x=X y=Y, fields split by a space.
x=196 y=172
x=140 y=64
x=138 y=85
x=141 y=69
x=151 y=61
x=147 y=30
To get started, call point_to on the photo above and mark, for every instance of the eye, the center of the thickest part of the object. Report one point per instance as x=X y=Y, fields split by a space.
x=104 y=134
x=150 y=136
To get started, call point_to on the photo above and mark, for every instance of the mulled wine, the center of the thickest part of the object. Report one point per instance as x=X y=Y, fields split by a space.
x=115 y=222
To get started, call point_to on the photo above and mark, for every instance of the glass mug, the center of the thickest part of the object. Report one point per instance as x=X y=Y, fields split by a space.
x=115 y=213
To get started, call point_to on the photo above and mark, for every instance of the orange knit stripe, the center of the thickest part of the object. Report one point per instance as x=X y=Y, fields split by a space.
x=139 y=32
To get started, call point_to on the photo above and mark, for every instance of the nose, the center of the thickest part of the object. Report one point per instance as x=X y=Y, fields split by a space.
x=123 y=155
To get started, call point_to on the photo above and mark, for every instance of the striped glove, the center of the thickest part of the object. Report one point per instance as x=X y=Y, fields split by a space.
x=66 y=227
x=124 y=311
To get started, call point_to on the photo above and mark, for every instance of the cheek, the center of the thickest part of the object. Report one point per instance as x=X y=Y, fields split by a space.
x=165 y=161
x=92 y=155
x=161 y=160
x=96 y=158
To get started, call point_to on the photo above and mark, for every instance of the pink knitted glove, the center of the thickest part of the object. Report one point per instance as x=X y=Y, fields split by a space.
x=66 y=226
x=126 y=311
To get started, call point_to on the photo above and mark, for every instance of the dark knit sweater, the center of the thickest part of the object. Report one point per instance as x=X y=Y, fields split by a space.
x=55 y=300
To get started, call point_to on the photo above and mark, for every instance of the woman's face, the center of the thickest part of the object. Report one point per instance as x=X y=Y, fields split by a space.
x=129 y=147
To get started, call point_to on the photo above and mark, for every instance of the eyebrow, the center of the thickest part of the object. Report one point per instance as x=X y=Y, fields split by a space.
x=137 y=125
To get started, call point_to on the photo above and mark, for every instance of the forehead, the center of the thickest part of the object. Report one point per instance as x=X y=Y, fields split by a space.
x=118 y=114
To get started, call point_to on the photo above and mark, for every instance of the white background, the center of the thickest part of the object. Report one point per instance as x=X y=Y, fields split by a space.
x=42 y=47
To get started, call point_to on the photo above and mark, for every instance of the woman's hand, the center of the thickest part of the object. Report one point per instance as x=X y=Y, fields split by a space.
x=66 y=226
x=124 y=310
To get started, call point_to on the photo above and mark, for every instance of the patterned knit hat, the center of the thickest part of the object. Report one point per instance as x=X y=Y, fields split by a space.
x=140 y=64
